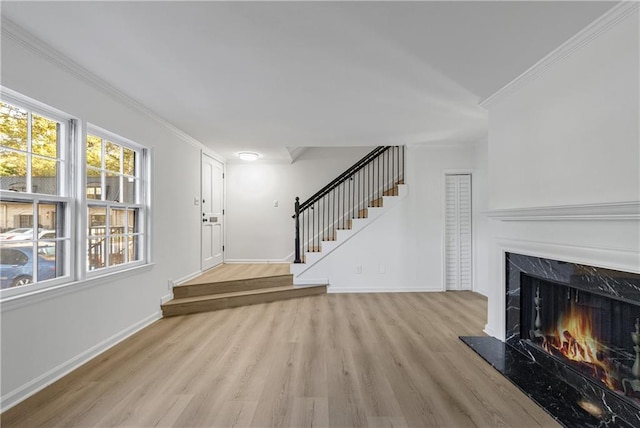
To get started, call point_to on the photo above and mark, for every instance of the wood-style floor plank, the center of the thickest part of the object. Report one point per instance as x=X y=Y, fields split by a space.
x=336 y=360
x=310 y=412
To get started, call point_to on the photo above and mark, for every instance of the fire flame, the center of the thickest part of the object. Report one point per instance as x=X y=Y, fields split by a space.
x=574 y=339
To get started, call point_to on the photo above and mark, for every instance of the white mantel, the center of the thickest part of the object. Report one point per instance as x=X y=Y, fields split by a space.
x=602 y=235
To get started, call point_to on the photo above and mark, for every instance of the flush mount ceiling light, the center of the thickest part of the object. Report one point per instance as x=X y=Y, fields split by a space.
x=248 y=156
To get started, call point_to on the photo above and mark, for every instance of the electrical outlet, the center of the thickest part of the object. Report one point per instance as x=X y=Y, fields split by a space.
x=275 y=203
x=359 y=269
x=196 y=201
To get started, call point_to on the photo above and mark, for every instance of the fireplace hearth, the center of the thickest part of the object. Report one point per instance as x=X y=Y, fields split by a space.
x=575 y=329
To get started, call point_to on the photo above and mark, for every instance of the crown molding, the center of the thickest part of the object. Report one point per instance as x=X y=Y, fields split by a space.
x=600 y=26
x=27 y=40
x=607 y=211
x=294 y=153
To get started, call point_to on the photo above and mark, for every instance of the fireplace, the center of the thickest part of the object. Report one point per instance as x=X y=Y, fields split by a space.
x=572 y=340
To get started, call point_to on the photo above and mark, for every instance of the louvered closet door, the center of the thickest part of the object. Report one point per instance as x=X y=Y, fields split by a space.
x=458 y=232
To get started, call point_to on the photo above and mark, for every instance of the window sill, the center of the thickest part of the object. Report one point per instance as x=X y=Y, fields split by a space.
x=38 y=295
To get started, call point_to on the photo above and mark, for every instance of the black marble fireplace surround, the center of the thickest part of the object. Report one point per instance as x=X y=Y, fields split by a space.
x=566 y=390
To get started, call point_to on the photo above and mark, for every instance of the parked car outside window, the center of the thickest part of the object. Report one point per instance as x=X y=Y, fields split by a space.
x=16 y=266
x=15 y=233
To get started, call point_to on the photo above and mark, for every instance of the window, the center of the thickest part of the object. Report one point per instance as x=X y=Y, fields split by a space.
x=35 y=200
x=115 y=204
x=43 y=208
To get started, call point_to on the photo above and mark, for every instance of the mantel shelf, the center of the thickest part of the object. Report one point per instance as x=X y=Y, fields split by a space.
x=607 y=211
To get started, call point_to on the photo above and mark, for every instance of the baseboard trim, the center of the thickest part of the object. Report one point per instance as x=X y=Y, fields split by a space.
x=303 y=282
x=334 y=289
x=481 y=292
x=25 y=391
x=164 y=299
x=258 y=261
x=175 y=282
x=490 y=332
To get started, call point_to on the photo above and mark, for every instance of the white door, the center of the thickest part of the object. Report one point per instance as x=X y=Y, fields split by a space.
x=212 y=212
x=458 y=232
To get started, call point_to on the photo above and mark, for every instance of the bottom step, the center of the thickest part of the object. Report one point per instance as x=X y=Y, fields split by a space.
x=192 y=305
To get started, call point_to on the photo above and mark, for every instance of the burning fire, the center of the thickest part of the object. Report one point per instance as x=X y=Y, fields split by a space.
x=574 y=339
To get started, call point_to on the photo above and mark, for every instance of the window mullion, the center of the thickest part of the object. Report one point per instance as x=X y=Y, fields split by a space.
x=28 y=154
x=138 y=178
x=20 y=196
x=121 y=176
x=103 y=167
x=62 y=158
x=34 y=240
x=126 y=235
x=107 y=236
x=76 y=185
x=121 y=186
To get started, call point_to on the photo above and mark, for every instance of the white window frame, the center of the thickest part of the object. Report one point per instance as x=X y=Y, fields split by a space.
x=65 y=189
x=142 y=168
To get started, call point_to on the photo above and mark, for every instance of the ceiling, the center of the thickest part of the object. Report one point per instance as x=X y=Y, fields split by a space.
x=275 y=77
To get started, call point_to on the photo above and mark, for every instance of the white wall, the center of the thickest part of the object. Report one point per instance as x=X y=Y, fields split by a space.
x=256 y=230
x=45 y=335
x=571 y=136
x=568 y=137
x=402 y=250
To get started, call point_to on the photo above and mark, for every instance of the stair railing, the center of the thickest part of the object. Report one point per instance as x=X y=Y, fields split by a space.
x=347 y=197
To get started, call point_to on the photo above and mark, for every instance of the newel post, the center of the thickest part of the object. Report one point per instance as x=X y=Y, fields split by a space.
x=297 y=243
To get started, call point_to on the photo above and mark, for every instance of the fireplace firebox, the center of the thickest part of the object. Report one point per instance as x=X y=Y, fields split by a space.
x=597 y=335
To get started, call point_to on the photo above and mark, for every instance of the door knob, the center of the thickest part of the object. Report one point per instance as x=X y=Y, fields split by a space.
x=204 y=220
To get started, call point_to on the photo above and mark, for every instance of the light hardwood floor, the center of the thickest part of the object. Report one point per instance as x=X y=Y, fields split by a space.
x=339 y=360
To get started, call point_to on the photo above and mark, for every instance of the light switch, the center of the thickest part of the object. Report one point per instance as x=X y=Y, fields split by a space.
x=275 y=203
x=196 y=201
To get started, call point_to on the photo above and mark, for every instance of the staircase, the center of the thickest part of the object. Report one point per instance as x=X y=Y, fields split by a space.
x=352 y=227
x=347 y=205
x=229 y=286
